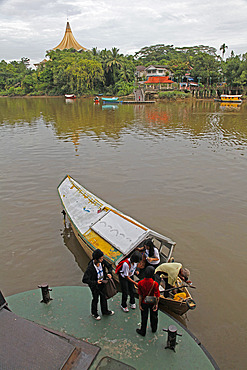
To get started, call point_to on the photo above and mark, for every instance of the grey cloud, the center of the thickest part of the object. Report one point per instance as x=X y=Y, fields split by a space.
x=34 y=26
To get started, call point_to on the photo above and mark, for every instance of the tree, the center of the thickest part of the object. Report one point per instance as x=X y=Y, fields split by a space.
x=206 y=66
x=113 y=63
x=223 y=49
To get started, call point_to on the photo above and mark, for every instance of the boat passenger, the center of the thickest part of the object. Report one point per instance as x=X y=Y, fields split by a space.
x=170 y=271
x=127 y=283
x=140 y=248
x=94 y=276
x=148 y=287
x=151 y=254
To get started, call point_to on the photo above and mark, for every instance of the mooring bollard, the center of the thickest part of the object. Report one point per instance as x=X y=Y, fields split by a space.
x=172 y=336
x=3 y=303
x=45 y=293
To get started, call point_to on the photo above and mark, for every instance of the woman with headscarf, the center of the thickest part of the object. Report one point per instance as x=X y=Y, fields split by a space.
x=148 y=287
x=94 y=276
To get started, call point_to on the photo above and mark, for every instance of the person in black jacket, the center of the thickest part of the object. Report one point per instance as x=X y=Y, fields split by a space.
x=94 y=276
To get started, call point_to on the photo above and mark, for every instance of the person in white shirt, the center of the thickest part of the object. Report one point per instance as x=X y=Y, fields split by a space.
x=151 y=254
x=97 y=271
x=127 y=282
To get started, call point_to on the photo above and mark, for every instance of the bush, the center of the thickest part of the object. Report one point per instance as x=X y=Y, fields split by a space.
x=15 y=91
x=172 y=95
x=124 y=88
x=36 y=93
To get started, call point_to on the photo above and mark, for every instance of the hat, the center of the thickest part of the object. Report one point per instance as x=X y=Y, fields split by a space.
x=149 y=272
x=97 y=254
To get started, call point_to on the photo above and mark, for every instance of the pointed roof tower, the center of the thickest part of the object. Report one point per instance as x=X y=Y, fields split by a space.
x=69 y=41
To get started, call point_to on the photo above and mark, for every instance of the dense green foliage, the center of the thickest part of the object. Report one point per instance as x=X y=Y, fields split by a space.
x=172 y=95
x=108 y=72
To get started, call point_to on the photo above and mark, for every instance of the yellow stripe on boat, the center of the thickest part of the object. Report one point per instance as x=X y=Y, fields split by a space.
x=100 y=243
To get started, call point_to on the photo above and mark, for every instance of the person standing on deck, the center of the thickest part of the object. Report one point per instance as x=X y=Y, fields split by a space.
x=94 y=276
x=126 y=280
x=148 y=287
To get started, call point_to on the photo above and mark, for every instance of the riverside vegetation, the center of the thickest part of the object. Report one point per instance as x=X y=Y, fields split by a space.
x=109 y=72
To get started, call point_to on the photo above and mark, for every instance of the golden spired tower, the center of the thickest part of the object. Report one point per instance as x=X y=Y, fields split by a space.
x=69 y=41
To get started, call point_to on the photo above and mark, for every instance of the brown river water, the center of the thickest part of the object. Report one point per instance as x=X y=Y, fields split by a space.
x=178 y=167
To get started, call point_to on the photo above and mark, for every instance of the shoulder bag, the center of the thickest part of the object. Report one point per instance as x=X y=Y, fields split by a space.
x=109 y=288
x=150 y=299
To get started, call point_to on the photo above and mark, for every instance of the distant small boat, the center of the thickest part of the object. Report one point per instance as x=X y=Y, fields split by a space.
x=70 y=96
x=110 y=100
x=231 y=99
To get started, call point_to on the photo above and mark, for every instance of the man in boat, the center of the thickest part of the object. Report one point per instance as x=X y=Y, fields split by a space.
x=169 y=272
x=127 y=283
x=148 y=287
x=94 y=276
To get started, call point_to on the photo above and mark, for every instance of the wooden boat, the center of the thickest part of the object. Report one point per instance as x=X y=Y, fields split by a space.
x=110 y=100
x=70 y=96
x=178 y=303
x=97 y=224
x=231 y=99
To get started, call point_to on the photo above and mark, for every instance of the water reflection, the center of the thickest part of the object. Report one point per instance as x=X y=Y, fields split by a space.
x=69 y=101
x=109 y=107
x=230 y=106
x=196 y=121
x=74 y=247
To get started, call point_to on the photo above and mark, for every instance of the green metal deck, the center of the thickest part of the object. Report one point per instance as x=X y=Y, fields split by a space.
x=69 y=312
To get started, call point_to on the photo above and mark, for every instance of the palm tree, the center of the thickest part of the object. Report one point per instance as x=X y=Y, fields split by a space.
x=223 y=48
x=95 y=52
x=114 y=62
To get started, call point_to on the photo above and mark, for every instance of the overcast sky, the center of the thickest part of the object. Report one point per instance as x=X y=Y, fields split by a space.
x=30 y=27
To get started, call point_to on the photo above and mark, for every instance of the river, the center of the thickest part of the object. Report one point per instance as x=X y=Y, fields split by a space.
x=178 y=167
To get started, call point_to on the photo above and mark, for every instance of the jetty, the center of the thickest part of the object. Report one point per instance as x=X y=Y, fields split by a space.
x=137 y=102
x=62 y=334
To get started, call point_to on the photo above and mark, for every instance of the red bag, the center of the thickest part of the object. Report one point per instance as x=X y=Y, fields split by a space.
x=120 y=264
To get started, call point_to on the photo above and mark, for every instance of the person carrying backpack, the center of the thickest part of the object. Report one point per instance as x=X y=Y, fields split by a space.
x=126 y=270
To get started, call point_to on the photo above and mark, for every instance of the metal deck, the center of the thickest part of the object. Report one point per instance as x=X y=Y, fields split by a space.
x=26 y=345
x=69 y=313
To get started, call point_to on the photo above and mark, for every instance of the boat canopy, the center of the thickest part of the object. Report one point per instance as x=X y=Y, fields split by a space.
x=118 y=231
x=230 y=96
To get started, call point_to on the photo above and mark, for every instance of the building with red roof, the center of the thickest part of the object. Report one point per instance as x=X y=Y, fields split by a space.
x=159 y=80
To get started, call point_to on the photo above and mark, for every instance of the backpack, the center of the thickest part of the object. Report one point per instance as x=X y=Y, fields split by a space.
x=120 y=264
